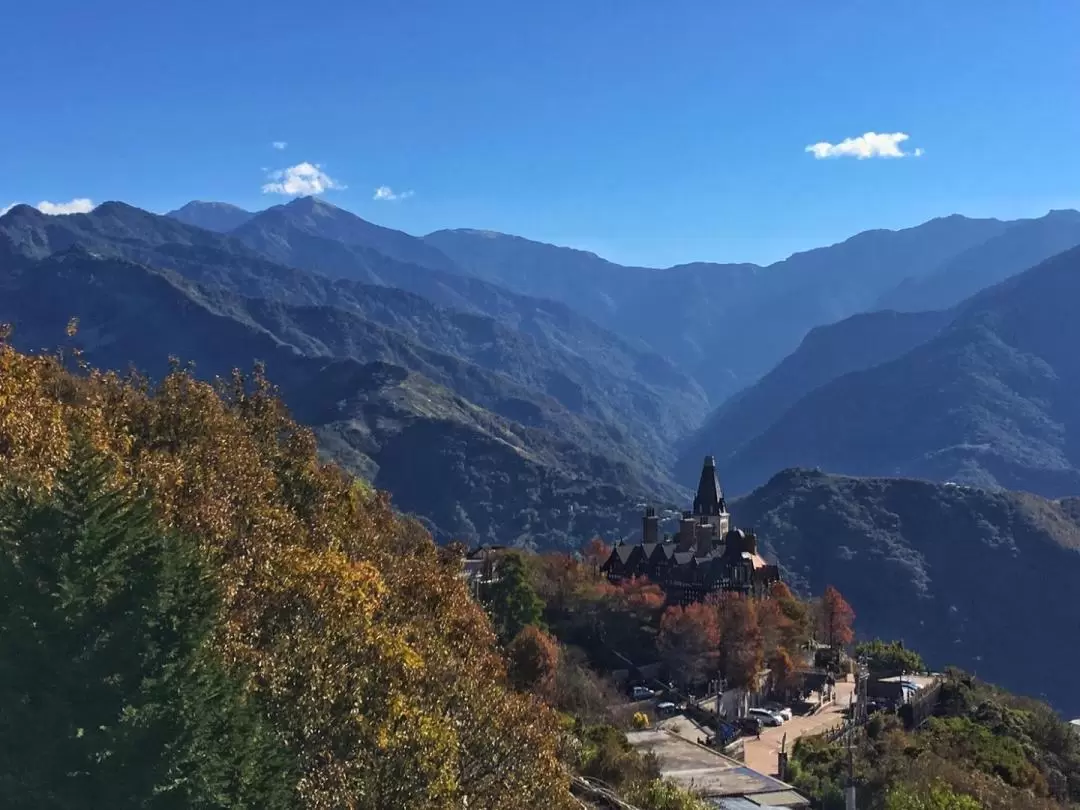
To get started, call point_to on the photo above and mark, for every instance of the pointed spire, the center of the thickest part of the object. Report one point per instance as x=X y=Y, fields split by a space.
x=710 y=498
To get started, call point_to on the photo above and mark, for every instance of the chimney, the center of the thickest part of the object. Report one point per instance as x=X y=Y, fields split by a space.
x=650 y=526
x=687 y=532
x=751 y=541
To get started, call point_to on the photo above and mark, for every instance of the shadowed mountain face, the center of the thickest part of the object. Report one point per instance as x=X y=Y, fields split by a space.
x=992 y=400
x=978 y=579
x=543 y=428
x=527 y=477
x=636 y=403
x=826 y=353
x=213 y=216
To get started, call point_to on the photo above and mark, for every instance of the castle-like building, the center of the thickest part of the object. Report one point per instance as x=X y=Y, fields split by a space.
x=705 y=556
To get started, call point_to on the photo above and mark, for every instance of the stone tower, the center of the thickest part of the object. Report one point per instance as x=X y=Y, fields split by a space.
x=709 y=506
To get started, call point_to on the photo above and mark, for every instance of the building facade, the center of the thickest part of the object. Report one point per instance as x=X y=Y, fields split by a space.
x=706 y=555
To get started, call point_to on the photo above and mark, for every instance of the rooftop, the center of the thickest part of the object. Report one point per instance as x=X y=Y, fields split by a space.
x=713 y=775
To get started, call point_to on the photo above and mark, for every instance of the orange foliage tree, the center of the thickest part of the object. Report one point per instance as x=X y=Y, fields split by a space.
x=595 y=554
x=533 y=657
x=781 y=670
x=784 y=621
x=741 y=643
x=689 y=641
x=837 y=619
x=379 y=672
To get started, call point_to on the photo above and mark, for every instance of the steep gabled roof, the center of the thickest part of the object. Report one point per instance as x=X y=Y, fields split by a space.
x=710 y=498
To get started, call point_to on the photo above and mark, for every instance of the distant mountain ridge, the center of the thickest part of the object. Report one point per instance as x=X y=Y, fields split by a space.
x=1024 y=244
x=687 y=313
x=292 y=233
x=709 y=317
x=213 y=216
x=992 y=400
x=825 y=354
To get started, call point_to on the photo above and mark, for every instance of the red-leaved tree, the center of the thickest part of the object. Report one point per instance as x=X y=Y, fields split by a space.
x=688 y=642
x=837 y=619
x=741 y=644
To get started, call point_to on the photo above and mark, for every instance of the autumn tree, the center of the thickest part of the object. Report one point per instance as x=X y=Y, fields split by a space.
x=595 y=553
x=689 y=642
x=797 y=626
x=627 y=615
x=559 y=580
x=741 y=653
x=533 y=658
x=837 y=619
x=639 y=597
x=781 y=670
x=367 y=655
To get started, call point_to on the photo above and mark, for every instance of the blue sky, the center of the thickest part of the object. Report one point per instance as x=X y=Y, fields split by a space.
x=650 y=132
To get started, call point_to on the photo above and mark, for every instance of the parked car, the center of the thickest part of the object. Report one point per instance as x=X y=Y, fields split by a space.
x=726 y=733
x=766 y=717
x=776 y=708
x=642 y=693
x=667 y=708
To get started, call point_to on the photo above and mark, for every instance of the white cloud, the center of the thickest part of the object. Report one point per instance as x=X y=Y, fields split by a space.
x=300 y=180
x=868 y=145
x=279 y=144
x=79 y=205
x=387 y=193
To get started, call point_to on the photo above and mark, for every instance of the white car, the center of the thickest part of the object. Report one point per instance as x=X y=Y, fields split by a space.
x=766 y=717
x=783 y=711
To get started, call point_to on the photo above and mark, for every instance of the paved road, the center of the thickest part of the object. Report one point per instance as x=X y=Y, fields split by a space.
x=761 y=755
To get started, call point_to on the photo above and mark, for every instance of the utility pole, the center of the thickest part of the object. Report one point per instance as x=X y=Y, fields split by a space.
x=849 y=791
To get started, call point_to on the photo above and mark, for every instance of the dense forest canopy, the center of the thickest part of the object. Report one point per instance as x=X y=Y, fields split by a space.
x=355 y=641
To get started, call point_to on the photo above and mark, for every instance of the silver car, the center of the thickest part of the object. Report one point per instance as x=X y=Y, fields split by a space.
x=766 y=717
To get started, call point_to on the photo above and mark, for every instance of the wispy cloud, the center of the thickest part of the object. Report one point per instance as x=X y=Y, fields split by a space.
x=279 y=144
x=867 y=145
x=301 y=180
x=387 y=193
x=79 y=205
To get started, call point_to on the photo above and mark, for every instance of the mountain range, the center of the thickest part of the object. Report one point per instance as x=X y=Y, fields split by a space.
x=986 y=395
x=728 y=324
x=969 y=577
x=503 y=353
x=550 y=424
x=507 y=391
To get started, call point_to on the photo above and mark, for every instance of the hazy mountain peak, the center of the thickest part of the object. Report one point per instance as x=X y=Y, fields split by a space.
x=1069 y=214
x=293 y=225
x=211 y=216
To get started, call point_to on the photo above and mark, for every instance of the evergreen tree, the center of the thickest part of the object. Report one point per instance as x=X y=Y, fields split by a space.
x=111 y=695
x=510 y=600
